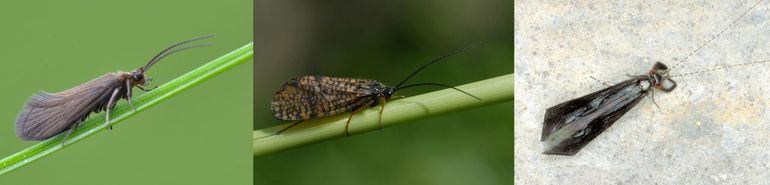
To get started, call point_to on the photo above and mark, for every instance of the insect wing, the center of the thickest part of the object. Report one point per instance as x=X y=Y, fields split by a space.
x=47 y=114
x=308 y=97
x=571 y=125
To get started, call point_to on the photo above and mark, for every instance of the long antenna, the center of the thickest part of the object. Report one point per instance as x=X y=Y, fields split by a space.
x=165 y=52
x=436 y=60
x=720 y=68
x=718 y=34
x=436 y=84
x=182 y=48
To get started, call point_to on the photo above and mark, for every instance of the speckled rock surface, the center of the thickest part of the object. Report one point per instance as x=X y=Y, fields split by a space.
x=713 y=129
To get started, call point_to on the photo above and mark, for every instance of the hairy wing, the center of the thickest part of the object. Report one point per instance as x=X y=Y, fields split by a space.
x=307 y=97
x=47 y=114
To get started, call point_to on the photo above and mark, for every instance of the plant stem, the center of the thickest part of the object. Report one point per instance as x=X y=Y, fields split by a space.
x=123 y=111
x=491 y=91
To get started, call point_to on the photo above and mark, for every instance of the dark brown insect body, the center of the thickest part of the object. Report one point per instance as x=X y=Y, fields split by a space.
x=569 y=126
x=308 y=97
x=48 y=114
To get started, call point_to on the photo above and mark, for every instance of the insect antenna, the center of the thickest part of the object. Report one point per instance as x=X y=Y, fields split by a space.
x=182 y=48
x=717 y=35
x=720 y=68
x=169 y=50
x=436 y=84
x=434 y=61
x=401 y=84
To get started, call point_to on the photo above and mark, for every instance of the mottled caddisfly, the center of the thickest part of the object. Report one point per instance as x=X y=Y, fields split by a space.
x=309 y=97
x=48 y=114
x=570 y=125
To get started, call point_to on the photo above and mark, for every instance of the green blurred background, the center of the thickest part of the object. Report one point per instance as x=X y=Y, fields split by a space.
x=201 y=136
x=386 y=40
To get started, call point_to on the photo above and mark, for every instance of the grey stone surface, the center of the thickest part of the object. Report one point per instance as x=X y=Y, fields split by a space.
x=712 y=129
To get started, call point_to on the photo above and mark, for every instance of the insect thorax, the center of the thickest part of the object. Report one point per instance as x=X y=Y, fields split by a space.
x=380 y=90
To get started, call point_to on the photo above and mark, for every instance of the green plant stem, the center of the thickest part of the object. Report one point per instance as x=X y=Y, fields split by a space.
x=123 y=111
x=491 y=91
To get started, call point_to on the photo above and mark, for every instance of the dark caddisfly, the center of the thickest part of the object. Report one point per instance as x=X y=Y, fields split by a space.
x=309 y=97
x=48 y=114
x=569 y=126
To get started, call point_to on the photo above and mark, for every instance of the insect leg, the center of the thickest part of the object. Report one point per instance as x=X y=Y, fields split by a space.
x=382 y=104
x=66 y=135
x=109 y=106
x=287 y=128
x=347 y=133
x=146 y=90
x=652 y=97
x=128 y=95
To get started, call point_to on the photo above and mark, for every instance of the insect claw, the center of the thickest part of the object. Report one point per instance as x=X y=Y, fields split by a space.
x=107 y=120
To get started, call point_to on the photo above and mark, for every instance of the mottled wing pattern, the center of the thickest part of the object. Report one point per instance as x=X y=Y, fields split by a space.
x=48 y=114
x=307 y=97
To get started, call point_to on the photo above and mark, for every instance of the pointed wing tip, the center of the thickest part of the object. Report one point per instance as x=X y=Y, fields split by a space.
x=545 y=133
x=550 y=148
x=551 y=122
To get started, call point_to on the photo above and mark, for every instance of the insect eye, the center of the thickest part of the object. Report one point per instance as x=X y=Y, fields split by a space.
x=389 y=91
x=138 y=76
